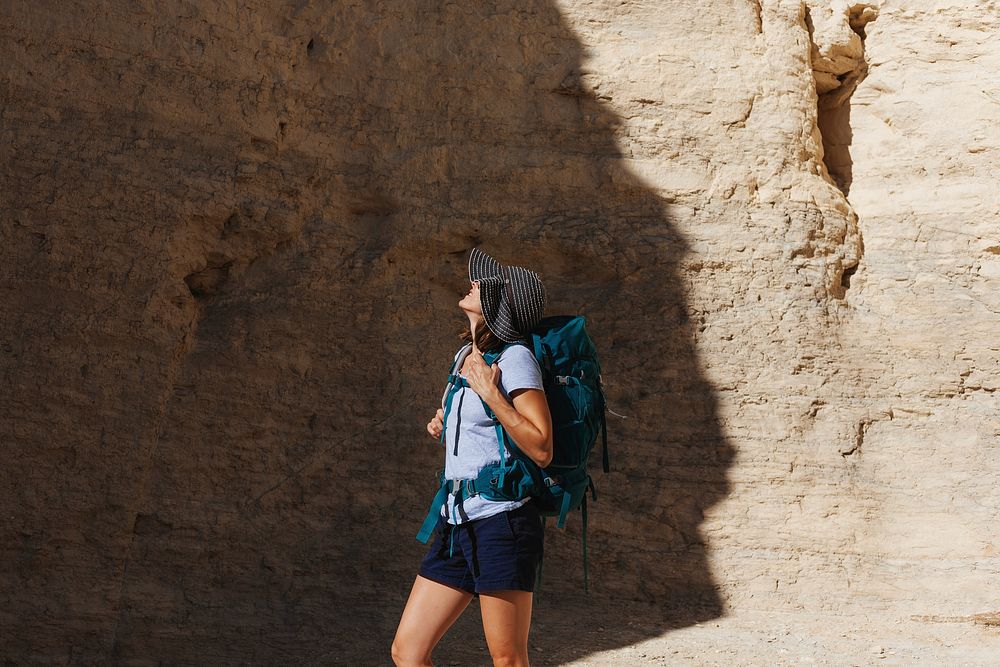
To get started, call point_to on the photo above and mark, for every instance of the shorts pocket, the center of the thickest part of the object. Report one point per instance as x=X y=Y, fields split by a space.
x=524 y=523
x=508 y=525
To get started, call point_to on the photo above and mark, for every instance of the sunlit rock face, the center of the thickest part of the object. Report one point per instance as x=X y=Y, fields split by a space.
x=234 y=238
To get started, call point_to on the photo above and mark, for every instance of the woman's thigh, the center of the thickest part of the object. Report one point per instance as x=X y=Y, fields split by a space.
x=506 y=621
x=431 y=609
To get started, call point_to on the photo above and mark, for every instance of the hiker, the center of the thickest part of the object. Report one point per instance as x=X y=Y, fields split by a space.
x=485 y=548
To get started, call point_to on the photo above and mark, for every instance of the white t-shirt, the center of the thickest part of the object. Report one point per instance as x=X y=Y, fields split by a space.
x=470 y=437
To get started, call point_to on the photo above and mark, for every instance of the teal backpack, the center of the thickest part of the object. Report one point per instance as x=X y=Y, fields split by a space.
x=571 y=374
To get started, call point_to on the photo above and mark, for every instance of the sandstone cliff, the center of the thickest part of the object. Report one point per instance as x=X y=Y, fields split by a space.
x=233 y=235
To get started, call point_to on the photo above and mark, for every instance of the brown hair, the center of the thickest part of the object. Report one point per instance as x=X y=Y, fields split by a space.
x=484 y=339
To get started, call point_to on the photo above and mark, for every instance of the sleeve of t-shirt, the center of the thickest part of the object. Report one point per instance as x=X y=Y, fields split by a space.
x=519 y=370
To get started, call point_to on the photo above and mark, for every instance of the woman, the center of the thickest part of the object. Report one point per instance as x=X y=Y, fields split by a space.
x=485 y=548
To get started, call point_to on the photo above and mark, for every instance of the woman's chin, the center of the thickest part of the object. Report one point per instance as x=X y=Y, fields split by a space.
x=470 y=311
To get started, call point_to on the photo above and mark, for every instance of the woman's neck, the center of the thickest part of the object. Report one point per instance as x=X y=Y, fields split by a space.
x=474 y=320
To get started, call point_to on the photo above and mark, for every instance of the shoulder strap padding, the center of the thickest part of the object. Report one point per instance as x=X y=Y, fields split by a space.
x=459 y=358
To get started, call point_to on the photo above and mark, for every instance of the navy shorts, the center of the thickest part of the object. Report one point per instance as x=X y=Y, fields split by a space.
x=497 y=553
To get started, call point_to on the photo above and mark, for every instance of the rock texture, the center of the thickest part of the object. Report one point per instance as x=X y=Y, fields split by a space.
x=234 y=234
x=926 y=309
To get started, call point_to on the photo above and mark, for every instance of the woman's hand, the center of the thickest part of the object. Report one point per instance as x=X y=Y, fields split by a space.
x=525 y=417
x=483 y=379
x=435 y=425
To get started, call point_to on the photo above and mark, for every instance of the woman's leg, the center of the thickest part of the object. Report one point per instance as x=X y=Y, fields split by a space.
x=506 y=621
x=431 y=609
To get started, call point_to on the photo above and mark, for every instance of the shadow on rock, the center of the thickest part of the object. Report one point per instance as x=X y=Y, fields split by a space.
x=567 y=204
x=366 y=149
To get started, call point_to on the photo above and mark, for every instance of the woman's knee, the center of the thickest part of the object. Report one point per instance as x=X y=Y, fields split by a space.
x=404 y=655
x=509 y=659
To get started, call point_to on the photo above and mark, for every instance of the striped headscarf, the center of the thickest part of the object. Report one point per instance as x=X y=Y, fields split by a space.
x=512 y=297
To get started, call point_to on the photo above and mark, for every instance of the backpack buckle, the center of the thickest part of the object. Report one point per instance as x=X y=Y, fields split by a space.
x=456 y=486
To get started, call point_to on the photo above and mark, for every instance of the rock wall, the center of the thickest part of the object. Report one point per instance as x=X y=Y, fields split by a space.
x=926 y=309
x=234 y=235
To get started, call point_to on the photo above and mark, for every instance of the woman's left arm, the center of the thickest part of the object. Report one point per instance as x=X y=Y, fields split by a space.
x=528 y=421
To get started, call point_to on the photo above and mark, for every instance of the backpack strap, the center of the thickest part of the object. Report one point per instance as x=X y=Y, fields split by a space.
x=435 y=511
x=543 y=355
x=604 y=438
x=541 y=558
x=455 y=382
x=502 y=443
x=583 y=535
x=536 y=348
x=462 y=489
